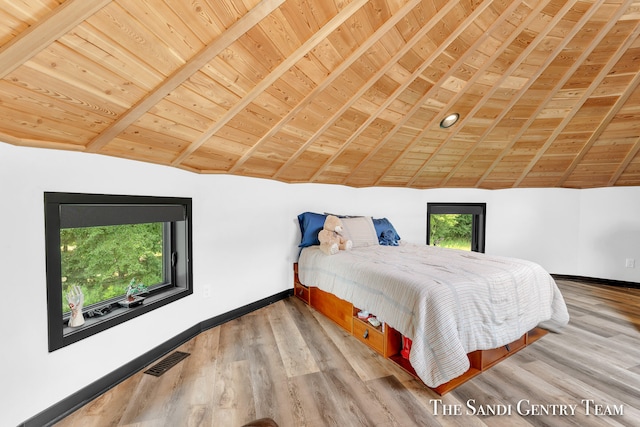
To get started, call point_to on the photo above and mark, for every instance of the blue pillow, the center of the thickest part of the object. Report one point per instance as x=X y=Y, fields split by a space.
x=310 y=225
x=388 y=238
x=387 y=235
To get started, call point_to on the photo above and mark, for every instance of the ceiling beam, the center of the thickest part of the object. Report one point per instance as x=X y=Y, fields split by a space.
x=38 y=36
x=628 y=158
x=273 y=76
x=233 y=33
x=36 y=143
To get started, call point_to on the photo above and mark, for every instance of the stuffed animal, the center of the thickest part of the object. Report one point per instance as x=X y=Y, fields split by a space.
x=331 y=239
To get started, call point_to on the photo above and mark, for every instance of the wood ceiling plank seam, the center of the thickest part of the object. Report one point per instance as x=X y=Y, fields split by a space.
x=336 y=73
x=422 y=32
x=18 y=17
x=539 y=39
x=587 y=93
x=36 y=143
x=92 y=43
x=300 y=16
x=420 y=103
x=530 y=47
x=285 y=40
x=38 y=36
x=131 y=149
x=178 y=77
x=274 y=75
x=56 y=62
x=269 y=48
x=46 y=130
x=136 y=38
x=400 y=89
x=33 y=124
x=631 y=88
x=207 y=29
x=152 y=138
x=549 y=96
x=195 y=102
x=220 y=73
x=225 y=12
x=42 y=101
x=174 y=33
x=557 y=51
x=65 y=93
x=246 y=68
x=180 y=115
x=29 y=11
x=633 y=13
x=625 y=163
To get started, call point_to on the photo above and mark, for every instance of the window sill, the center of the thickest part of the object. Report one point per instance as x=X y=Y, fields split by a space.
x=119 y=314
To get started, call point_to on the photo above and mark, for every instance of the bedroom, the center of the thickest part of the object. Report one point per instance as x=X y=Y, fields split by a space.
x=589 y=230
x=573 y=232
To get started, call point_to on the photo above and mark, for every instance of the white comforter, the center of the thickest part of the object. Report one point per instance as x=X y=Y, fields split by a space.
x=449 y=302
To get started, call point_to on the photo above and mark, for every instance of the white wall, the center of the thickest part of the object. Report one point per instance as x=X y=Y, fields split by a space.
x=245 y=237
x=610 y=233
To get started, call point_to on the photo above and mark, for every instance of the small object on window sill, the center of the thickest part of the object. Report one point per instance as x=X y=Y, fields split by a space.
x=75 y=299
x=100 y=311
x=137 y=300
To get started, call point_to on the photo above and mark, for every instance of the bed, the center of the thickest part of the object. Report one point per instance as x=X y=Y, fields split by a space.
x=448 y=302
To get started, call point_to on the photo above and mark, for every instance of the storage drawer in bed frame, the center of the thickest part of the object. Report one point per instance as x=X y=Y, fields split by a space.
x=299 y=289
x=387 y=342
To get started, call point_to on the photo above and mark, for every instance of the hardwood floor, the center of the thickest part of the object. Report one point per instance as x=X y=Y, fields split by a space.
x=290 y=363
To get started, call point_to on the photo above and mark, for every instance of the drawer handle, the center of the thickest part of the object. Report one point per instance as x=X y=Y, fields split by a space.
x=366 y=334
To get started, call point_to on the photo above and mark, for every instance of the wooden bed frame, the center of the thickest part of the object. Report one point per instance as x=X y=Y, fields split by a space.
x=387 y=342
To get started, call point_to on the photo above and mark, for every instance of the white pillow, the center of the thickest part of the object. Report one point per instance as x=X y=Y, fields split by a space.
x=360 y=231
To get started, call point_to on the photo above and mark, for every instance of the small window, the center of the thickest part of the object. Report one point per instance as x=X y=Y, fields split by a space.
x=456 y=225
x=117 y=257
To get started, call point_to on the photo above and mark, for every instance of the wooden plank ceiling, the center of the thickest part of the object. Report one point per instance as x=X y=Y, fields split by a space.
x=333 y=91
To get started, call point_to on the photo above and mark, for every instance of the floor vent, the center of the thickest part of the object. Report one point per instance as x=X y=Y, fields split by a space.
x=165 y=364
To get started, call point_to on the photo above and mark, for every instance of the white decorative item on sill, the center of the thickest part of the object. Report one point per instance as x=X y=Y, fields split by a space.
x=75 y=299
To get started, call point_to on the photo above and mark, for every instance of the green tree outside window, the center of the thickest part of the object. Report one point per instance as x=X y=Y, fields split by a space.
x=103 y=260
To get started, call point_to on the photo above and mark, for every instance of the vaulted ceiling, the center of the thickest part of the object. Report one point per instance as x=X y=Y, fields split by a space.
x=333 y=91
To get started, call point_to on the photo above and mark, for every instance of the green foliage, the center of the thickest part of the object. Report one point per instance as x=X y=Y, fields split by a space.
x=103 y=260
x=451 y=230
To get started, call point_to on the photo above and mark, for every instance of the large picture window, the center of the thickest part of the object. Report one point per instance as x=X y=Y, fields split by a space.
x=112 y=258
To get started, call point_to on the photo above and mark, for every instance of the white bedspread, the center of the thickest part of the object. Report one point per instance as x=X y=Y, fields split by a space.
x=449 y=302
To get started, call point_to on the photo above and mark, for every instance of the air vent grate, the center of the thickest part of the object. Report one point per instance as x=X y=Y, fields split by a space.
x=167 y=363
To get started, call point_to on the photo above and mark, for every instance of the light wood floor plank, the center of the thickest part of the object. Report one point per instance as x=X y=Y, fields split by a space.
x=288 y=362
x=295 y=354
x=233 y=403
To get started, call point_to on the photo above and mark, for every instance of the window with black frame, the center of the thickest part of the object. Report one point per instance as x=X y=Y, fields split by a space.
x=111 y=258
x=457 y=225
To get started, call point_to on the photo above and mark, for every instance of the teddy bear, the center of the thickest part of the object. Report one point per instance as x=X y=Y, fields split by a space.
x=330 y=237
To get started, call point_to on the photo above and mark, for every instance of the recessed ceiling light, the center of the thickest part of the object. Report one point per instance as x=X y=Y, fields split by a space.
x=450 y=120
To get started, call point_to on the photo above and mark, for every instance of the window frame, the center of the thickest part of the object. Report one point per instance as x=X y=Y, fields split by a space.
x=179 y=282
x=479 y=212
